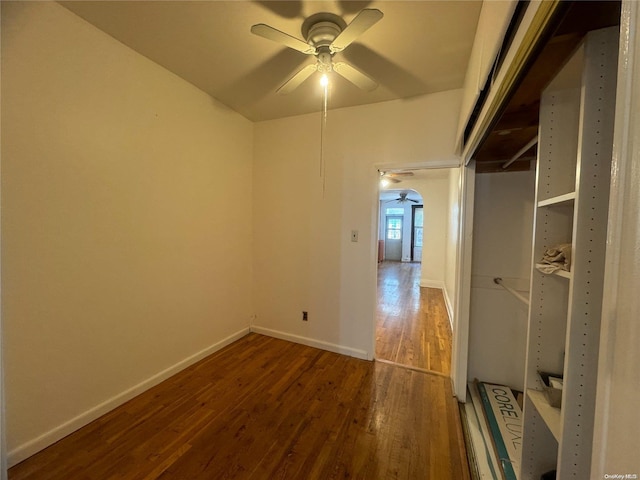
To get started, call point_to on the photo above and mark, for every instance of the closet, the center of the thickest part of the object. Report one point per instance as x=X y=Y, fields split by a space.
x=529 y=321
x=572 y=198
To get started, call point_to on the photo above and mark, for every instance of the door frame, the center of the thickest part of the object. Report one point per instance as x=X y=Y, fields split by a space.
x=375 y=227
x=413 y=228
x=462 y=300
x=386 y=231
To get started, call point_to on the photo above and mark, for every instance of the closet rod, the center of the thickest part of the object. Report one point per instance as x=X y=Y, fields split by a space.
x=522 y=298
x=520 y=153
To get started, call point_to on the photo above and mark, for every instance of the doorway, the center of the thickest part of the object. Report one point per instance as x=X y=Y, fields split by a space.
x=393 y=238
x=413 y=326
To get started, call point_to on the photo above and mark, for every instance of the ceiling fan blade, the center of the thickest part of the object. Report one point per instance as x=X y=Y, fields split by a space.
x=363 y=22
x=277 y=36
x=356 y=77
x=399 y=174
x=288 y=9
x=295 y=81
x=412 y=200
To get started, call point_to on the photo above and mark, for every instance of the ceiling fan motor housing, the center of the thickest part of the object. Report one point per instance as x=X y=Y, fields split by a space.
x=322 y=34
x=320 y=29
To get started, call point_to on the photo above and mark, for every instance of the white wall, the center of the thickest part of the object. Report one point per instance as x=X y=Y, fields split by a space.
x=503 y=232
x=122 y=255
x=435 y=196
x=303 y=256
x=452 y=242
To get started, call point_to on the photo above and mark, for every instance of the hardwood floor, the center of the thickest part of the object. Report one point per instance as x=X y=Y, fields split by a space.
x=413 y=326
x=264 y=408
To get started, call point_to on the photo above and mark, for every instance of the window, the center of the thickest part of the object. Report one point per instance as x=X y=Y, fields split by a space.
x=394 y=228
x=395 y=211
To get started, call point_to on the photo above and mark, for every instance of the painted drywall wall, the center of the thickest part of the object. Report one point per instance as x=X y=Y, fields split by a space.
x=435 y=196
x=452 y=242
x=503 y=232
x=304 y=258
x=122 y=256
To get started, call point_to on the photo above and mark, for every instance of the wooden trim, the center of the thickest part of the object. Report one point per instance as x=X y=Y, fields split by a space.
x=410 y=367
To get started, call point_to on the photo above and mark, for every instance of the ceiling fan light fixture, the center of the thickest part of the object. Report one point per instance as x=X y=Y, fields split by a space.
x=324 y=80
x=325 y=34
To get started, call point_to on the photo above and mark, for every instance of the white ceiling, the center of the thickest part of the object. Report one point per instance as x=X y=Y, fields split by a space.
x=419 y=47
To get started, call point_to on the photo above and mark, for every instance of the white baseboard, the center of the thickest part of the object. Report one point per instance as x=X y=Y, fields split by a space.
x=311 y=342
x=425 y=282
x=449 y=305
x=31 y=447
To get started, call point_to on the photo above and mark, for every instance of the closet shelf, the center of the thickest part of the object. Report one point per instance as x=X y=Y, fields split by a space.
x=550 y=415
x=566 y=199
x=557 y=273
x=563 y=274
x=577 y=113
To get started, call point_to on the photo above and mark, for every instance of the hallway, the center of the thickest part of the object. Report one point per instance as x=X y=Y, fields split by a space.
x=412 y=326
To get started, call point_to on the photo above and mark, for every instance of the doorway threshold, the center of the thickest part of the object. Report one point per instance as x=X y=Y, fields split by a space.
x=411 y=367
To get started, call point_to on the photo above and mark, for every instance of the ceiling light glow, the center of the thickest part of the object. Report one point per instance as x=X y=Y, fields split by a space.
x=324 y=80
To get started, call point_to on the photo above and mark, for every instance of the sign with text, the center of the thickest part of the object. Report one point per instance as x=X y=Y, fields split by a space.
x=505 y=420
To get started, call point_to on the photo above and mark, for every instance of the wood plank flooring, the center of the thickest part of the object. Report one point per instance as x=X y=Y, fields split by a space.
x=413 y=326
x=264 y=408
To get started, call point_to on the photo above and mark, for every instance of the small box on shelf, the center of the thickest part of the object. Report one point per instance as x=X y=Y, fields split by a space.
x=552 y=384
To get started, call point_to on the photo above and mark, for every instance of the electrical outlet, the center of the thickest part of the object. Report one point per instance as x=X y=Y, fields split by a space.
x=305 y=316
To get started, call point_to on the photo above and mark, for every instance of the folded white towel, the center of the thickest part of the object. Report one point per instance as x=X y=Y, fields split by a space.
x=556 y=258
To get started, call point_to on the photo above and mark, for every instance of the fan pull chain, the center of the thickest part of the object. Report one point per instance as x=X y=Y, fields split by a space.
x=323 y=126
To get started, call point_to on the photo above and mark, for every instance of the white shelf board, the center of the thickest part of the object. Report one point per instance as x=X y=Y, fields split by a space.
x=558 y=273
x=565 y=199
x=550 y=415
x=562 y=273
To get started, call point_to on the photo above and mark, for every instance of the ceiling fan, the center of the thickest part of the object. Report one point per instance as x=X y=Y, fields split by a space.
x=326 y=34
x=395 y=177
x=403 y=198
